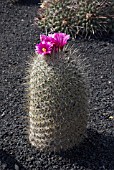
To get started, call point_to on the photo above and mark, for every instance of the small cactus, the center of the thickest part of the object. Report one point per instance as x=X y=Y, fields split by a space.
x=58 y=105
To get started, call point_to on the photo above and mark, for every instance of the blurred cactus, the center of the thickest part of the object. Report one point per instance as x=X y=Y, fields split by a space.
x=84 y=18
x=94 y=18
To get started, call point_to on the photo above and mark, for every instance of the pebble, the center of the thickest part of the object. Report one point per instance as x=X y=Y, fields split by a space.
x=111 y=117
x=16 y=167
x=109 y=82
x=3 y=114
x=4 y=166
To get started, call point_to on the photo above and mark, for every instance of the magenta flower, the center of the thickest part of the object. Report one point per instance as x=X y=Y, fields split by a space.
x=60 y=39
x=47 y=38
x=52 y=43
x=44 y=48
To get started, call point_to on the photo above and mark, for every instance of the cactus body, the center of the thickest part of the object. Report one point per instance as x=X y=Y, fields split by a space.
x=58 y=106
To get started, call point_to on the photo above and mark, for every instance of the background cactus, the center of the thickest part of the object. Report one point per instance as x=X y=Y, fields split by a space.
x=81 y=17
x=58 y=106
x=94 y=18
x=57 y=16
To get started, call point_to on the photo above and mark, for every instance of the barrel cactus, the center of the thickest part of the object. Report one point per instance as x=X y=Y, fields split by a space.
x=58 y=106
x=94 y=17
x=86 y=18
x=57 y=16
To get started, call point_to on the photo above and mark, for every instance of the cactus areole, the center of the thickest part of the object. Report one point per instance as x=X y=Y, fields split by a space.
x=58 y=106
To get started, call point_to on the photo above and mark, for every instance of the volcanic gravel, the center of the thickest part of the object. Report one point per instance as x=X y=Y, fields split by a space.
x=17 y=41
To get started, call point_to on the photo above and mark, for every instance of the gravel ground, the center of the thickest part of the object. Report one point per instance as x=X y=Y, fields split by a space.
x=18 y=38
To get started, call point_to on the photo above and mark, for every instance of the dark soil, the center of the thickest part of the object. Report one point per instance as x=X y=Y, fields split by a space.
x=18 y=38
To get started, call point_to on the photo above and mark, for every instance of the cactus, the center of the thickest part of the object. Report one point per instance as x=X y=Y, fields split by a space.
x=57 y=16
x=58 y=106
x=94 y=18
x=81 y=17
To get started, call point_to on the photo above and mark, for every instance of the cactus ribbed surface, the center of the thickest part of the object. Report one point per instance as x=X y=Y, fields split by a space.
x=58 y=106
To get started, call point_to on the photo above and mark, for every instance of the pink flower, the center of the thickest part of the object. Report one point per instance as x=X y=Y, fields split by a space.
x=51 y=43
x=44 y=48
x=47 y=38
x=60 y=39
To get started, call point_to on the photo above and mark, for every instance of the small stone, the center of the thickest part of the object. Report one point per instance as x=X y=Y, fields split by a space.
x=105 y=114
x=3 y=114
x=16 y=167
x=4 y=166
x=111 y=117
x=109 y=82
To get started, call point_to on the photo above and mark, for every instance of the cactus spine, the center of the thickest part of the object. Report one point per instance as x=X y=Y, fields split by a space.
x=58 y=106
